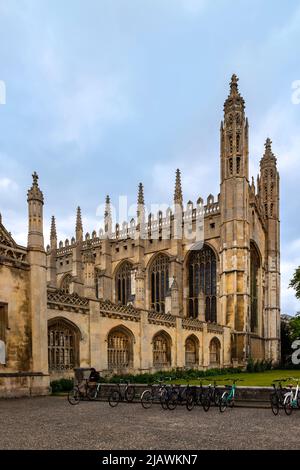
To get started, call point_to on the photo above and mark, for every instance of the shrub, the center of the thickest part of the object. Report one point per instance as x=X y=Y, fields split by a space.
x=61 y=385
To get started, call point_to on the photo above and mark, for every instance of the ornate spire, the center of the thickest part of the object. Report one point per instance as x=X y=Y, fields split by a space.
x=234 y=100
x=34 y=193
x=79 y=227
x=53 y=234
x=268 y=155
x=107 y=216
x=141 y=200
x=178 y=199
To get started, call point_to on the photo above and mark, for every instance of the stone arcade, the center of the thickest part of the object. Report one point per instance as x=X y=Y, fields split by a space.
x=121 y=302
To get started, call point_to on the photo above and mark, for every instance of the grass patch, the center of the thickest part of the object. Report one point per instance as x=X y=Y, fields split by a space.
x=254 y=379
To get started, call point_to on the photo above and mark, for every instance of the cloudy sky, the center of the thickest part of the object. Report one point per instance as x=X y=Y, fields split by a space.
x=102 y=94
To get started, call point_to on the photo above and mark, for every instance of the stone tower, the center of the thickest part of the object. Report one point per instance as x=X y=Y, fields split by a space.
x=269 y=200
x=234 y=206
x=37 y=278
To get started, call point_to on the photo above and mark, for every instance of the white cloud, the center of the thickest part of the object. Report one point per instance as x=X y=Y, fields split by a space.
x=7 y=185
x=193 y=7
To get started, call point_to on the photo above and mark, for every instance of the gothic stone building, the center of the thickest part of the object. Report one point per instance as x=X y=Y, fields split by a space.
x=123 y=302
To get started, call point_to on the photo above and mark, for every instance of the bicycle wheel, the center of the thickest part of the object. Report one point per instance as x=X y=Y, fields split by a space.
x=147 y=399
x=190 y=402
x=217 y=397
x=114 y=398
x=223 y=402
x=130 y=394
x=288 y=405
x=74 y=396
x=164 y=399
x=274 y=403
x=91 y=393
x=172 y=401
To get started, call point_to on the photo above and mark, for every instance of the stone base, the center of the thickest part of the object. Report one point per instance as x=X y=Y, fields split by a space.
x=22 y=384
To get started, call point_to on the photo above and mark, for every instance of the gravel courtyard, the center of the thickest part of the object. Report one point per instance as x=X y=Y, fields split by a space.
x=51 y=423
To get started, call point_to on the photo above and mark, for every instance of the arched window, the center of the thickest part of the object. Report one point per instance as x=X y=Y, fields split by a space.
x=161 y=350
x=214 y=352
x=254 y=270
x=191 y=352
x=63 y=345
x=202 y=282
x=120 y=349
x=66 y=283
x=159 y=280
x=123 y=283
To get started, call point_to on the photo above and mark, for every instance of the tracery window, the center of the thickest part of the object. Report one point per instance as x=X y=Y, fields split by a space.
x=161 y=351
x=63 y=345
x=123 y=283
x=202 y=281
x=159 y=280
x=214 y=352
x=191 y=352
x=254 y=270
x=119 y=350
x=66 y=284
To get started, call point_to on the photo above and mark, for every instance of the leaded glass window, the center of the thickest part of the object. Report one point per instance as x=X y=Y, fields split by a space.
x=159 y=279
x=202 y=282
x=123 y=283
x=63 y=345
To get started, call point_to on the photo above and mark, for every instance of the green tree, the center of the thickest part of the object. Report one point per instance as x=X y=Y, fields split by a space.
x=295 y=327
x=295 y=282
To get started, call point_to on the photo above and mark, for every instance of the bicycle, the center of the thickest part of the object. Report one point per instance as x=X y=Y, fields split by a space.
x=178 y=396
x=292 y=399
x=277 y=395
x=228 y=396
x=197 y=397
x=154 y=393
x=213 y=394
x=81 y=391
x=118 y=394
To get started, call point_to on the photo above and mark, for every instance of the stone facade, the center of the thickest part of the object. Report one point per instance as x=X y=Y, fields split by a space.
x=141 y=297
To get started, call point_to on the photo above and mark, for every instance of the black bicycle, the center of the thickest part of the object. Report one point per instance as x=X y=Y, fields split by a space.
x=197 y=396
x=123 y=392
x=178 y=396
x=277 y=395
x=213 y=394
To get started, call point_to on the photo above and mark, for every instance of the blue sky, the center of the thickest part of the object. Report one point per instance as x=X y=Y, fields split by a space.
x=104 y=94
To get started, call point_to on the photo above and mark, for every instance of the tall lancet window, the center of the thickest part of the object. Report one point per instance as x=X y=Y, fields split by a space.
x=159 y=282
x=254 y=272
x=123 y=283
x=202 y=282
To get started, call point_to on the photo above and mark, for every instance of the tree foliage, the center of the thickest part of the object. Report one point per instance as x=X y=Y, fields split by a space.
x=295 y=282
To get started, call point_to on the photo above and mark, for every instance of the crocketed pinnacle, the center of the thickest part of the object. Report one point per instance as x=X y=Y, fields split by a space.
x=34 y=193
x=178 y=199
x=79 y=227
x=141 y=200
x=53 y=234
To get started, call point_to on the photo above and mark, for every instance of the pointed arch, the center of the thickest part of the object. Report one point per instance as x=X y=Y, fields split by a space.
x=63 y=344
x=158 y=274
x=191 y=351
x=65 y=283
x=123 y=286
x=120 y=341
x=201 y=269
x=255 y=264
x=214 y=352
x=161 y=346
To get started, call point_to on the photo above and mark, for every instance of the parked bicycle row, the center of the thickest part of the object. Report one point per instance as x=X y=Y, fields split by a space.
x=286 y=397
x=167 y=395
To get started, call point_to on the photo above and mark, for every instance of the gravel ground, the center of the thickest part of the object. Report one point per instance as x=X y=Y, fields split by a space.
x=51 y=423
